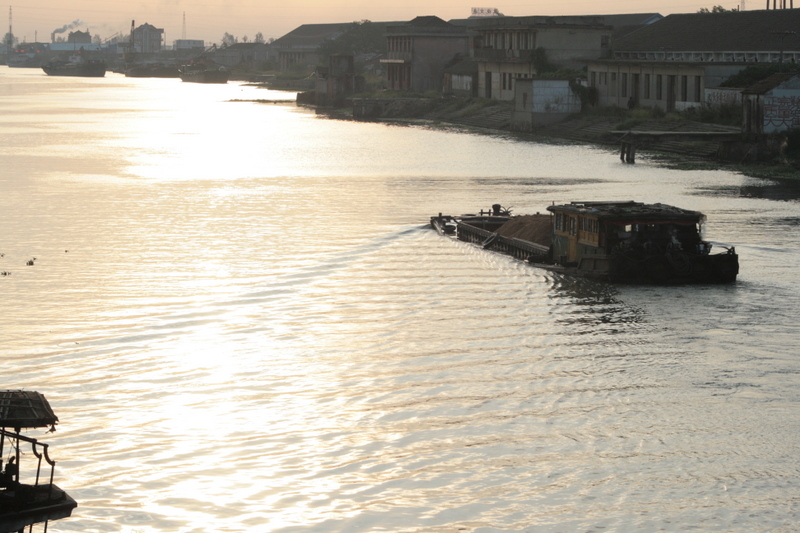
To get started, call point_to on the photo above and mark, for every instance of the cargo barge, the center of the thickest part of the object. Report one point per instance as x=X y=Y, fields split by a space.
x=615 y=241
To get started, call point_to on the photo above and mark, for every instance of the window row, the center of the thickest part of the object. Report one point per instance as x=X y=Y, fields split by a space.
x=507 y=79
x=572 y=224
x=682 y=88
x=399 y=44
x=510 y=40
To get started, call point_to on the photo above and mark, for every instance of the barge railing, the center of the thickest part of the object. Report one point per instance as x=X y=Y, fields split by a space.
x=515 y=247
x=36 y=446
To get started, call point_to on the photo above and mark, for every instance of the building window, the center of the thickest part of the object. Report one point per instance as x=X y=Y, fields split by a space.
x=624 y=84
x=659 y=87
x=698 y=89
x=593 y=83
x=647 y=86
x=684 y=88
x=613 y=84
x=588 y=225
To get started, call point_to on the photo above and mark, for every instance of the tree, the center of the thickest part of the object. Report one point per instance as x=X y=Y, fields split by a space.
x=228 y=39
x=755 y=73
x=715 y=9
x=540 y=62
x=259 y=38
x=10 y=41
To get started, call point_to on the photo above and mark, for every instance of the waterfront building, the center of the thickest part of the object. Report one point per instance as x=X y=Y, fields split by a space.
x=506 y=48
x=773 y=104
x=420 y=50
x=679 y=61
x=298 y=48
x=147 y=39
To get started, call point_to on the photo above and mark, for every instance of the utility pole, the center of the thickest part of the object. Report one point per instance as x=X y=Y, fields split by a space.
x=783 y=35
x=10 y=38
x=183 y=33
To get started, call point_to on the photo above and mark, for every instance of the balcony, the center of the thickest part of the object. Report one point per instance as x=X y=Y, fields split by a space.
x=503 y=55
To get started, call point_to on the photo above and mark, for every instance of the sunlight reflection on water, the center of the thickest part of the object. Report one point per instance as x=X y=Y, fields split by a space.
x=243 y=325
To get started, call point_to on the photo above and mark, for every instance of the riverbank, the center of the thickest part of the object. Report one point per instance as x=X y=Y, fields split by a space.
x=494 y=117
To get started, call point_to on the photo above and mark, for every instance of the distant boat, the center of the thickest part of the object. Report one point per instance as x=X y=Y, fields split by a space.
x=76 y=65
x=28 y=55
x=202 y=72
x=25 y=60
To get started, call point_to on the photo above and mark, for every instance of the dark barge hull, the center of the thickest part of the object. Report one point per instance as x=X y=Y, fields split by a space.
x=633 y=267
x=205 y=76
x=22 y=504
x=28 y=505
x=91 y=69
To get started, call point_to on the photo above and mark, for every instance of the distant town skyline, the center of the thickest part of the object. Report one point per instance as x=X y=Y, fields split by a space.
x=209 y=20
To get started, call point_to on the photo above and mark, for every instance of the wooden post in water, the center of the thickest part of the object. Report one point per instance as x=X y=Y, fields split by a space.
x=627 y=152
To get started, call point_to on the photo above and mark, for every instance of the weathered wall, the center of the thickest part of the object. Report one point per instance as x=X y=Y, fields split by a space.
x=782 y=107
x=542 y=102
x=431 y=56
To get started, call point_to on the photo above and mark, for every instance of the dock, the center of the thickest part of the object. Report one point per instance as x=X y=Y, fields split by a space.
x=629 y=139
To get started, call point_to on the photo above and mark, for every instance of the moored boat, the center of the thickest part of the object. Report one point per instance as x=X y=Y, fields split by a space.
x=28 y=55
x=27 y=493
x=623 y=242
x=76 y=65
x=203 y=72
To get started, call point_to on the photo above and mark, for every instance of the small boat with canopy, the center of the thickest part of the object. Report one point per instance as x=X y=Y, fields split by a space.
x=28 y=495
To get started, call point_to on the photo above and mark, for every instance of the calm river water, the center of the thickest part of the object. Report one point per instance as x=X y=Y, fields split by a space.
x=244 y=324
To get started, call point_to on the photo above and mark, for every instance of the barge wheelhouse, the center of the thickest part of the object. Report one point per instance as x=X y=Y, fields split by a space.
x=637 y=242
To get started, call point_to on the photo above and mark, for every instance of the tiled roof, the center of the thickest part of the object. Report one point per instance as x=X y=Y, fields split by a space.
x=311 y=34
x=429 y=20
x=25 y=409
x=629 y=211
x=426 y=25
x=769 y=83
x=765 y=30
x=569 y=21
x=631 y=19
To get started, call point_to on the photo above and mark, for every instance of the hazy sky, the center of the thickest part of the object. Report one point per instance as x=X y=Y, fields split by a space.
x=210 y=19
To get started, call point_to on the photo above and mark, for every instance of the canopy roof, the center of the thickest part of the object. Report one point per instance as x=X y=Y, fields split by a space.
x=25 y=409
x=630 y=212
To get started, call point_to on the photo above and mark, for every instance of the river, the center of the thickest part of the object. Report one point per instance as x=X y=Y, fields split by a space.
x=244 y=323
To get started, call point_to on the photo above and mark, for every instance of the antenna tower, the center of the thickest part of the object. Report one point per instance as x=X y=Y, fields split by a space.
x=183 y=34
